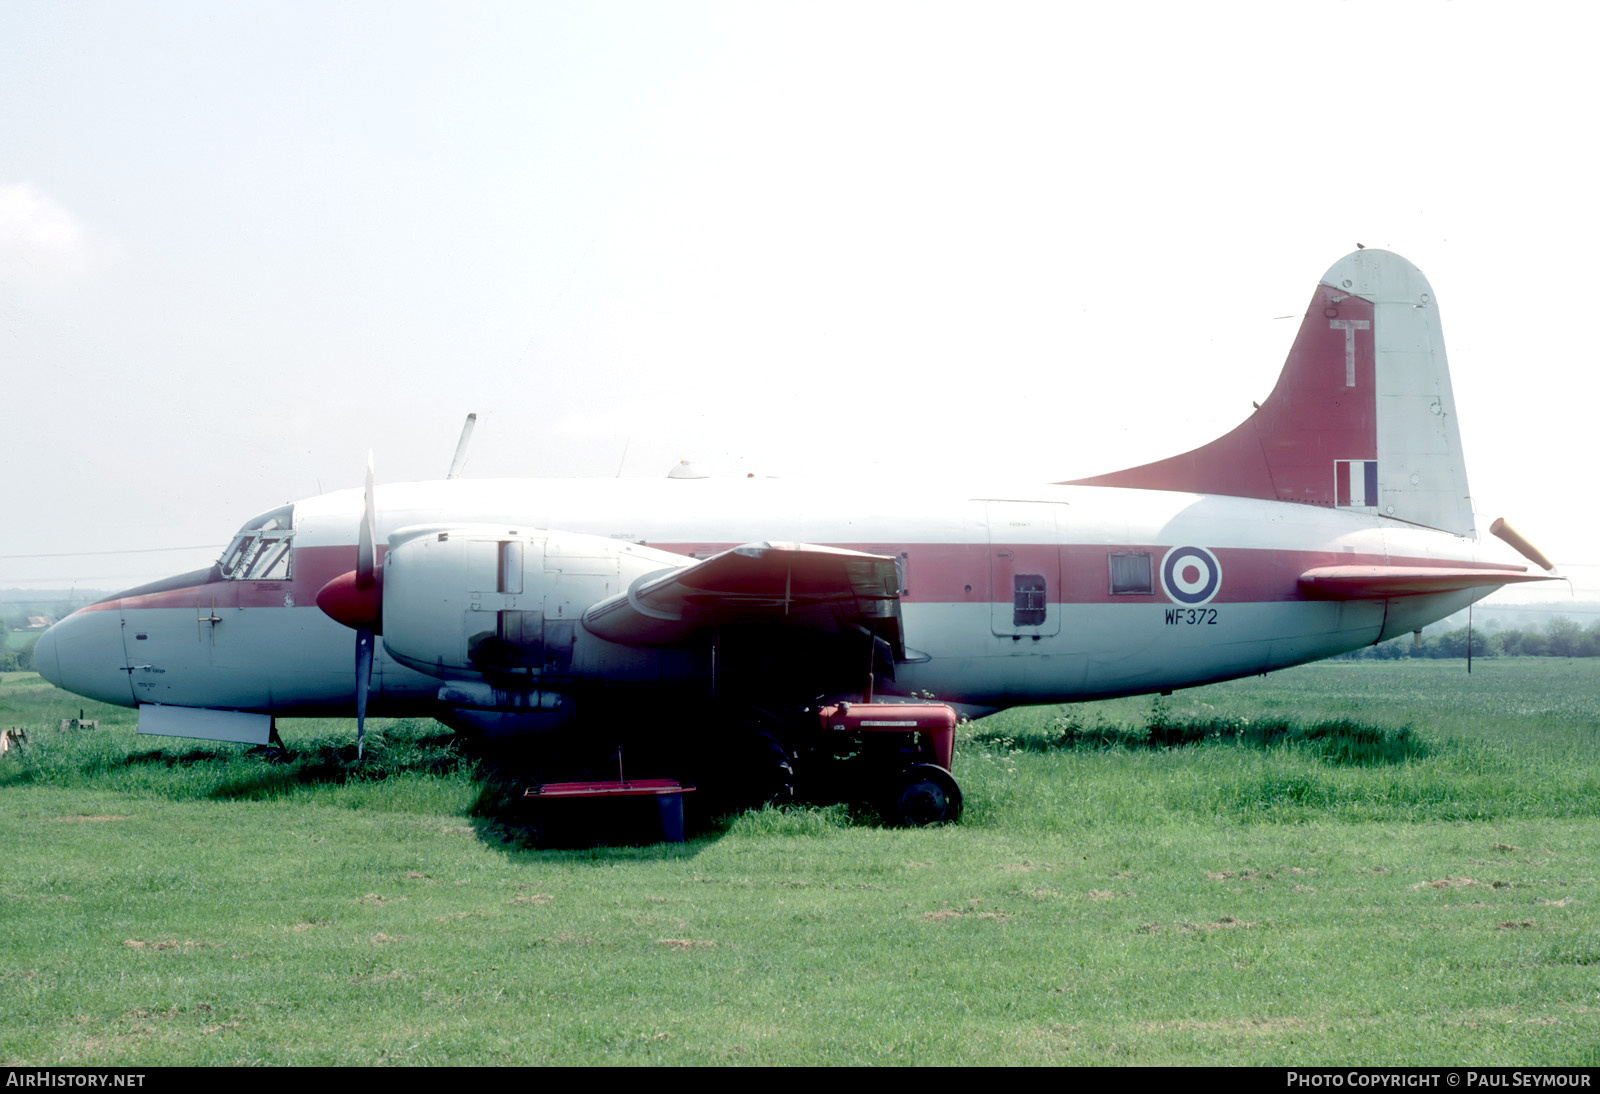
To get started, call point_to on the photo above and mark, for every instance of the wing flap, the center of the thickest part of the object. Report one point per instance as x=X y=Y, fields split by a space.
x=827 y=589
x=1373 y=582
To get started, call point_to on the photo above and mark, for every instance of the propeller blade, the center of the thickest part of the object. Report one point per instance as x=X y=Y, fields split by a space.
x=366 y=576
x=366 y=549
x=363 y=684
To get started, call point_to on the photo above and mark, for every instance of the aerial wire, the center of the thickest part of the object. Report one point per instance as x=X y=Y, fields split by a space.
x=127 y=551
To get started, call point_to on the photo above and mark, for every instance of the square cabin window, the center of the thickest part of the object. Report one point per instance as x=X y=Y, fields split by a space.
x=1131 y=573
x=1028 y=600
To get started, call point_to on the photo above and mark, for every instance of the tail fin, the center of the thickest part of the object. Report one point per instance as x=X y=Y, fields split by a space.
x=1361 y=418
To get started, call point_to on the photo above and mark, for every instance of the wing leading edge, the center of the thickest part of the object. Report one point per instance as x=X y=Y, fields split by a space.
x=824 y=589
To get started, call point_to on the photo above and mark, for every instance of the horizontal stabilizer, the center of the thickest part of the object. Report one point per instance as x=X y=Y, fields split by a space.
x=1373 y=582
x=827 y=589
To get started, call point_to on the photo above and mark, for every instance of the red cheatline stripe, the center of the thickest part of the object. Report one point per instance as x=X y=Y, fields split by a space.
x=938 y=573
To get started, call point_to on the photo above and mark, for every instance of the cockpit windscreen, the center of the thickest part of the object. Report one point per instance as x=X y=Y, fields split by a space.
x=261 y=551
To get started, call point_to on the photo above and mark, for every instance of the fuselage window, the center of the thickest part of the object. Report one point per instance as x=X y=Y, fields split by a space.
x=1131 y=573
x=1028 y=600
x=262 y=551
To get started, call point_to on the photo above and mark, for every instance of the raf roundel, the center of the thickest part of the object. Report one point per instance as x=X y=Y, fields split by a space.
x=1190 y=575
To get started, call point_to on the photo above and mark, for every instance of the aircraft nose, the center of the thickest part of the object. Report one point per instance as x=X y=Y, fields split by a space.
x=45 y=662
x=83 y=654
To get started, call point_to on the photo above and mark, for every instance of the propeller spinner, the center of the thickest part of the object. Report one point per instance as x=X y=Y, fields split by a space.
x=355 y=599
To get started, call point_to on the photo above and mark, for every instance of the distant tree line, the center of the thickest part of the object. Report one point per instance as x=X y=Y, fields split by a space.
x=16 y=651
x=16 y=644
x=1559 y=637
x=17 y=660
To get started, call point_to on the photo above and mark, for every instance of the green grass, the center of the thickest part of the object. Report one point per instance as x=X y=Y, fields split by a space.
x=1349 y=863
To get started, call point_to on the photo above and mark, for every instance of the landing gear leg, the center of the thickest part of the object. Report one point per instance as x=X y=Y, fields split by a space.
x=274 y=751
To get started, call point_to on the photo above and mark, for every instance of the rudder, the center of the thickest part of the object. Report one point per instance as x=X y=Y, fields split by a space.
x=1362 y=416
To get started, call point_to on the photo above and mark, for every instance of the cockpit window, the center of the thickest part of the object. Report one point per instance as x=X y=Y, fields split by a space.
x=261 y=550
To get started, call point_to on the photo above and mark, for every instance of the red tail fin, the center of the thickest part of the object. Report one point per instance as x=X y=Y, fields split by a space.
x=1362 y=416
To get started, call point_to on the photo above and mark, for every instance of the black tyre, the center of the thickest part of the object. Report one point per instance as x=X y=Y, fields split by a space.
x=766 y=772
x=746 y=768
x=925 y=794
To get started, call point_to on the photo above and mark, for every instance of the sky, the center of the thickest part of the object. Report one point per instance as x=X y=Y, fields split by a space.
x=243 y=244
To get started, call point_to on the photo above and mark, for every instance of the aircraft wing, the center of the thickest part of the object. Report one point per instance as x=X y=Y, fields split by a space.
x=1370 y=582
x=827 y=589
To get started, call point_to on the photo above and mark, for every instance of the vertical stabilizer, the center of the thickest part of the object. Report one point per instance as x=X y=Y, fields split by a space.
x=1362 y=416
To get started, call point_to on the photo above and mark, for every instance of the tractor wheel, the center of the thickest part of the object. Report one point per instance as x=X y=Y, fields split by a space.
x=925 y=794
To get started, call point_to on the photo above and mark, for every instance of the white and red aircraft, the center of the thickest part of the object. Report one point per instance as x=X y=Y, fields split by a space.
x=1335 y=517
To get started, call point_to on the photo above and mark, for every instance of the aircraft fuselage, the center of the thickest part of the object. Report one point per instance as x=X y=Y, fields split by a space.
x=1009 y=595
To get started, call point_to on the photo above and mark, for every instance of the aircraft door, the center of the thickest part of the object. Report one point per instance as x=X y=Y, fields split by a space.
x=1024 y=568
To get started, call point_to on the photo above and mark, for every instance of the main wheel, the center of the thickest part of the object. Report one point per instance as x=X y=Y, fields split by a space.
x=767 y=772
x=745 y=767
x=925 y=794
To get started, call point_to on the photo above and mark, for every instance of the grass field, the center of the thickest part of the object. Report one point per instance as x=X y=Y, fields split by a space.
x=1348 y=863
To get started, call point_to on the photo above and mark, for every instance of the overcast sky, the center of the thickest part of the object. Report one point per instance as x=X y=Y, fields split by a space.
x=241 y=244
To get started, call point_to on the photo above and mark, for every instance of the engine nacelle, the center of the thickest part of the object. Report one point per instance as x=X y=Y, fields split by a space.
x=483 y=601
